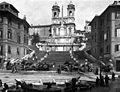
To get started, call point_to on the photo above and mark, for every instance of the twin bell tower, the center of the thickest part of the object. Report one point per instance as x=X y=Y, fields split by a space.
x=56 y=10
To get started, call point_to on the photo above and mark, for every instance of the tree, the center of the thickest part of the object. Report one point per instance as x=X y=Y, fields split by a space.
x=35 y=38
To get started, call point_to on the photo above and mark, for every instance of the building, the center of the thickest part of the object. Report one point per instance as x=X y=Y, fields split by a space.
x=60 y=34
x=94 y=37
x=14 y=33
x=87 y=30
x=105 y=31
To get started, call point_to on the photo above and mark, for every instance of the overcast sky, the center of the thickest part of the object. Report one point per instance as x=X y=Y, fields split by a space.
x=38 y=12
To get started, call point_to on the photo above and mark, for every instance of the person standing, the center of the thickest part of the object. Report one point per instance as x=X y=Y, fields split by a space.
x=0 y=83
x=106 y=80
x=113 y=76
x=101 y=80
x=97 y=81
x=14 y=68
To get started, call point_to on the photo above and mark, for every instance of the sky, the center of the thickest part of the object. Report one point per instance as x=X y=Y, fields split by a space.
x=38 y=12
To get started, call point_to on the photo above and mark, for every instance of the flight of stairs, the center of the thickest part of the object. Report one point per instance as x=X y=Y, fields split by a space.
x=58 y=57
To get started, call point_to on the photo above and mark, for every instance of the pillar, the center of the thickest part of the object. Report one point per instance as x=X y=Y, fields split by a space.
x=5 y=35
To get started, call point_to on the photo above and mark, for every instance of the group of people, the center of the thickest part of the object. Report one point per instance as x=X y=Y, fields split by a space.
x=104 y=81
x=3 y=87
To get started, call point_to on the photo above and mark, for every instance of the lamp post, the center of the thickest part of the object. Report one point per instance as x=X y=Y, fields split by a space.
x=86 y=62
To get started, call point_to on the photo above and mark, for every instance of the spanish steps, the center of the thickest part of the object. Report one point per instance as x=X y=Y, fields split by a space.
x=60 y=57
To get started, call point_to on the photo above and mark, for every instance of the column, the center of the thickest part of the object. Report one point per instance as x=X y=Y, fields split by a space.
x=5 y=35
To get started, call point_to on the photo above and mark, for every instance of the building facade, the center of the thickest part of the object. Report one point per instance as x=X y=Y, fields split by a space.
x=95 y=37
x=105 y=31
x=13 y=33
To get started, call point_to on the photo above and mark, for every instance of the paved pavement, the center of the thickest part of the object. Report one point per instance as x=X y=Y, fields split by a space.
x=113 y=87
x=35 y=77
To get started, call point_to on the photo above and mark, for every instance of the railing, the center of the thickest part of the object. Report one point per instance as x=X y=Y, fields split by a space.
x=29 y=55
x=57 y=44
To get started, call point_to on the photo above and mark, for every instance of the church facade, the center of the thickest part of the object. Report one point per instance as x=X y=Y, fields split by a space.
x=61 y=33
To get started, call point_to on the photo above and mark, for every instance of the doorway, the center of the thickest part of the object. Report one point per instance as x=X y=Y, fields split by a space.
x=117 y=65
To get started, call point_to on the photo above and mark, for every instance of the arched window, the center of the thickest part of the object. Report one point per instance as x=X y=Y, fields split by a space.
x=55 y=14
x=70 y=13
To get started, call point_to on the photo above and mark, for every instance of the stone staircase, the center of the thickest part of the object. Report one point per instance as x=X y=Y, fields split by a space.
x=58 y=57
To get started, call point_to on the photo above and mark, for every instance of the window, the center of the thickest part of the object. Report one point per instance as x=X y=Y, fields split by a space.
x=18 y=38
x=24 y=51
x=6 y=6
x=117 y=14
x=1 y=50
x=18 y=26
x=9 y=34
x=18 y=53
x=105 y=36
x=92 y=37
x=70 y=13
x=107 y=49
x=101 y=50
x=9 y=50
x=54 y=30
x=70 y=30
x=55 y=14
x=1 y=19
x=95 y=50
x=117 y=32
x=95 y=25
x=108 y=33
x=108 y=17
x=25 y=39
x=95 y=37
x=1 y=33
x=1 y=6
x=9 y=22
x=117 y=47
x=57 y=31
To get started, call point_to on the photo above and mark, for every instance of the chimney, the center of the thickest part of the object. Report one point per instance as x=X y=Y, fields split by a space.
x=115 y=2
x=24 y=17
